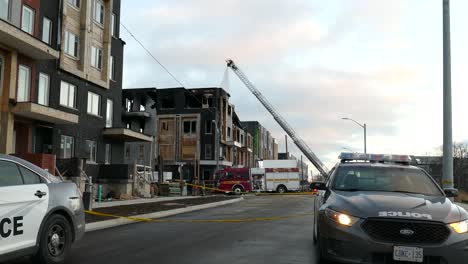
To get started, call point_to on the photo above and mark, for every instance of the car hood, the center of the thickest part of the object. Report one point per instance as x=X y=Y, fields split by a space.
x=396 y=205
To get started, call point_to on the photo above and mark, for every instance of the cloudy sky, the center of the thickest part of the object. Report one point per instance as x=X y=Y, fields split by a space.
x=376 y=61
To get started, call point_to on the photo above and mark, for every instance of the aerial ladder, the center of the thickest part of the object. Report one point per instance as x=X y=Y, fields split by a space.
x=300 y=143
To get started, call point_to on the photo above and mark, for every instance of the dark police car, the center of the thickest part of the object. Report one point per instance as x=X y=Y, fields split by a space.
x=379 y=209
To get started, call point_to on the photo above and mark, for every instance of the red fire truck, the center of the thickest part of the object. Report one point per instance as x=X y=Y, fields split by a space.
x=276 y=175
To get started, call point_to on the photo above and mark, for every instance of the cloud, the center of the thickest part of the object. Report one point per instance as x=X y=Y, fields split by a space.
x=279 y=44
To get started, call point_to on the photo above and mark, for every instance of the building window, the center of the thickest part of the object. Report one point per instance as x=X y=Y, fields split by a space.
x=164 y=126
x=229 y=132
x=167 y=102
x=190 y=128
x=43 y=93
x=127 y=151
x=111 y=68
x=67 y=94
x=72 y=42
x=67 y=147
x=229 y=110
x=98 y=12
x=94 y=104
x=242 y=139
x=46 y=30
x=96 y=57
x=128 y=105
x=141 y=151
x=24 y=83
x=208 y=151
x=74 y=3
x=4 y=9
x=107 y=158
x=27 y=20
x=91 y=151
x=109 y=113
x=113 y=25
x=209 y=127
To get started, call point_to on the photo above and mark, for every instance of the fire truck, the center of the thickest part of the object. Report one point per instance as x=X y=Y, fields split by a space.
x=273 y=176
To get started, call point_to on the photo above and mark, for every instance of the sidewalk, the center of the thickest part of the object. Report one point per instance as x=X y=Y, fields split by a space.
x=108 y=217
x=106 y=204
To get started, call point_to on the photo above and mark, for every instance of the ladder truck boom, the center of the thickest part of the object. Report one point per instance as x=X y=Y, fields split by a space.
x=300 y=143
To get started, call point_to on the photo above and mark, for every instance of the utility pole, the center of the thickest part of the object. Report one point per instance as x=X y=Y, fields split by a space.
x=447 y=175
x=286 y=140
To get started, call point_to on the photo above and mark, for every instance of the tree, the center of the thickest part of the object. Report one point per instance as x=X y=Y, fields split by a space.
x=460 y=162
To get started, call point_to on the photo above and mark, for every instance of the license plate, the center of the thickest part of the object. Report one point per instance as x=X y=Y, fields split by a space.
x=412 y=254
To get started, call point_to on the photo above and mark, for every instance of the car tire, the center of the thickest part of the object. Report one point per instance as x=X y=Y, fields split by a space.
x=238 y=190
x=320 y=258
x=281 y=189
x=54 y=241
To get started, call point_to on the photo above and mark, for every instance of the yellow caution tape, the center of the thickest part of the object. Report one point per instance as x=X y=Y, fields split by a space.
x=138 y=219
x=253 y=192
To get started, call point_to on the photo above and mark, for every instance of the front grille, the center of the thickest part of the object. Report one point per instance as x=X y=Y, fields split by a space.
x=388 y=259
x=389 y=230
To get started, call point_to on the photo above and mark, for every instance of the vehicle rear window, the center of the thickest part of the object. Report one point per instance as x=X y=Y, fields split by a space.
x=29 y=176
x=9 y=174
x=386 y=179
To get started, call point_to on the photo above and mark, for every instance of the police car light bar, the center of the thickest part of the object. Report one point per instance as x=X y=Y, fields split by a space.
x=347 y=156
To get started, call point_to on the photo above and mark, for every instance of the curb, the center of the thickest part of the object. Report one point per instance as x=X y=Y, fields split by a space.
x=123 y=221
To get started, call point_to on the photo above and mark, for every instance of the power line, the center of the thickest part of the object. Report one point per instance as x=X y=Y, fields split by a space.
x=152 y=56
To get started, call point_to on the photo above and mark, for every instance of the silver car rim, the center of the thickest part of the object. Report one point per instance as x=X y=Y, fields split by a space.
x=56 y=240
x=237 y=190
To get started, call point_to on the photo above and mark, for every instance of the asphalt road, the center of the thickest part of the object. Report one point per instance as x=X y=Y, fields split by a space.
x=278 y=241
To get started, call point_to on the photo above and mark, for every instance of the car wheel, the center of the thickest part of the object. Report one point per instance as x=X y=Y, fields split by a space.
x=55 y=241
x=281 y=189
x=238 y=190
x=319 y=250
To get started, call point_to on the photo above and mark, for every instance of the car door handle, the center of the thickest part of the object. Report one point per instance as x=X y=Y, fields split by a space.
x=40 y=194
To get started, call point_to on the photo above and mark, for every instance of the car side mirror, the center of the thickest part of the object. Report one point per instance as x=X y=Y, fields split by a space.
x=451 y=193
x=319 y=186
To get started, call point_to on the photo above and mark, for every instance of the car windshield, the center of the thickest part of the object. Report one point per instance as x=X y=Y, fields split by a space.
x=386 y=179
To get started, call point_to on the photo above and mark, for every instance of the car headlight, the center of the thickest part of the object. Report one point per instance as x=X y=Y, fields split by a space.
x=341 y=218
x=75 y=204
x=460 y=227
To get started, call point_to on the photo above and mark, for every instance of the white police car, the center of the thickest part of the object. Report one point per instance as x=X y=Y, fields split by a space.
x=40 y=216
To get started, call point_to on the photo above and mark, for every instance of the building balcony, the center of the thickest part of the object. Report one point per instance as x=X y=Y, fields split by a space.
x=247 y=149
x=127 y=135
x=44 y=113
x=234 y=143
x=25 y=43
x=136 y=114
x=213 y=163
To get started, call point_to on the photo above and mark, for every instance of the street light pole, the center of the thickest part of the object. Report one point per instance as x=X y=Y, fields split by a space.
x=447 y=175
x=365 y=138
x=364 y=126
